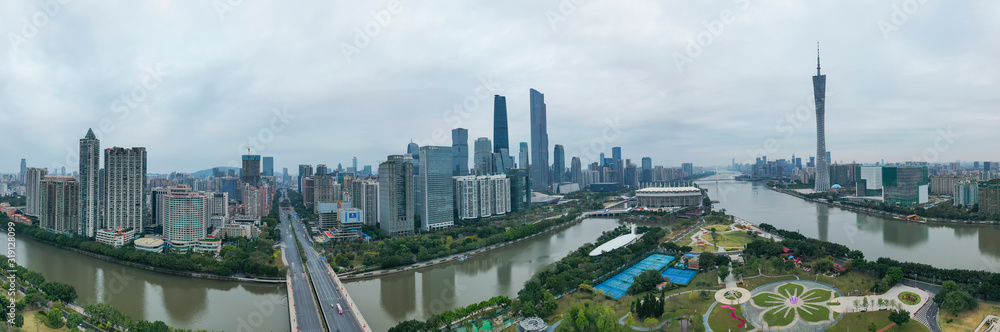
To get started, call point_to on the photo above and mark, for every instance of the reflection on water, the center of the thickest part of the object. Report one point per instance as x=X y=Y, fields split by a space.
x=393 y=299
x=876 y=236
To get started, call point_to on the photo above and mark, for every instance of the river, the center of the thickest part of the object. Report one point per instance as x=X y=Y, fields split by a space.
x=178 y=301
x=418 y=294
x=944 y=245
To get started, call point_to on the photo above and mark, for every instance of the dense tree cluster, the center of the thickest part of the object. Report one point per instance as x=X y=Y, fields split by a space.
x=649 y=305
x=645 y=281
x=589 y=318
x=437 y=322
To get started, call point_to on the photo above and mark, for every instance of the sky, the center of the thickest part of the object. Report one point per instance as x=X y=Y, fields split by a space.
x=310 y=82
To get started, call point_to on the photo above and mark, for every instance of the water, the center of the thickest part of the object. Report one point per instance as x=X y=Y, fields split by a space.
x=942 y=245
x=419 y=294
x=178 y=301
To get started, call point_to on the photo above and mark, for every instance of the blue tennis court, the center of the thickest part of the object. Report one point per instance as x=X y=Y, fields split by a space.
x=678 y=276
x=618 y=285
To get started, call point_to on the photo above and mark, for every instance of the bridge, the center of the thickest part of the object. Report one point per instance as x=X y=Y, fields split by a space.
x=606 y=212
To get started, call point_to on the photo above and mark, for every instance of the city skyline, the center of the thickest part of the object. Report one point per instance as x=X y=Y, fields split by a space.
x=945 y=83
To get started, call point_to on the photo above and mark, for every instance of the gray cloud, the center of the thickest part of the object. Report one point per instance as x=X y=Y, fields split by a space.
x=888 y=92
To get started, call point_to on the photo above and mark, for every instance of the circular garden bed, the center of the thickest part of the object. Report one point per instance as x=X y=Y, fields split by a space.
x=909 y=298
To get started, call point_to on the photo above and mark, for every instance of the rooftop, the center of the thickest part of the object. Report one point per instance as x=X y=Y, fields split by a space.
x=668 y=190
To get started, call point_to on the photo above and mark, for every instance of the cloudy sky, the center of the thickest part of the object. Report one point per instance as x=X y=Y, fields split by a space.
x=196 y=82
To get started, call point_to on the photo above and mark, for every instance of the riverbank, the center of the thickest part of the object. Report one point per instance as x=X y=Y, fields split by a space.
x=454 y=257
x=159 y=269
x=880 y=212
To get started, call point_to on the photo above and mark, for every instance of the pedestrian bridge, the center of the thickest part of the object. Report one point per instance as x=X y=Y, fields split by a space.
x=606 y=212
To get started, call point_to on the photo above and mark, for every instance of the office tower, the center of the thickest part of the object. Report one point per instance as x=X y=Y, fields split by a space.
x=185 y=216
x=284 y=176
x=308 y=191
x=500 y=124
x=520 y=189
x=125 y=183
x=413 y=150
x=819 y=94
x=616 y=155
x=321 y=170
x=483 y=156
x=250 y=173
x=396 y=196
x=268 y=166
x=325 y=189
x=90 y=189
x=24 y=171
x=688 y=168
x=558 y=163
x=829 y=159
x=602 y=161
x=367 y=171
x=575 y=169
x=539 y=143
x=523 y=161
x=987 y=166
x=460 y=151
x=62 y=171
x=436 y=198
x=59 y=206
x=497 y=166
x=304 y=171
x=647 y=169
x=369 y=202
x=33 y=184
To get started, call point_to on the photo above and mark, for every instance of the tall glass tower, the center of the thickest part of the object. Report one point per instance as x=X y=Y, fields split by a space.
x=500 y=124
x=539 y=143
x=558 y=164
x=819 y=93
x=459 y=151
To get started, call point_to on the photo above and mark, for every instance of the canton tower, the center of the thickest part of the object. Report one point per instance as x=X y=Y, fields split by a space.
x=819 y=93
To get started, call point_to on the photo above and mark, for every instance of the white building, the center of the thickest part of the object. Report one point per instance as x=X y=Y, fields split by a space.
x=34 y=189
x=657 y=197
x=482 y=196
x=149 y=244
x=115 y=237
x=218 y=209
x=249 y=231
x=185 y=216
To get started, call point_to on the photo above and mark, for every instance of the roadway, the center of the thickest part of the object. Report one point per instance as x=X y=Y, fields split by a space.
x=306 y=313
x=329 y=294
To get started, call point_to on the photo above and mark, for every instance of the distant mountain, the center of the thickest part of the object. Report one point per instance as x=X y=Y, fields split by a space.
x=208 y=172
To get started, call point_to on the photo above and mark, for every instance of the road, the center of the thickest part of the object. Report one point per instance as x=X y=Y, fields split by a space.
x=928 y=314
x=306 y=312
x=329 y=294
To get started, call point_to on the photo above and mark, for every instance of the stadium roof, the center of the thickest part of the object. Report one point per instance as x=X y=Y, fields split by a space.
x=615 y=243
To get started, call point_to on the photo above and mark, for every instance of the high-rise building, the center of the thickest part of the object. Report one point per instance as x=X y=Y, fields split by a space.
x=90 y=189
x=321 y=170
x=284 y=175
x=905 y=185
x=33 y=186
x=819 y=94
x=185 y=217
x=257 y=200
x=523 y=161
x=304 y=171
x=539 y=143
x=647 y=169
x=989 y=198
x=688 y=169
x=520 y=189
x=616 y=155
x=966 y=192
x=500 y=124
x=354 y=163
x=482 y=196
x=413 y=150
x=125 y=188
x=575 y=169
x=268 y=166
x=396 y=196
x=483 y=156
x=558 y=164
x=460 y=151
x=325 y=189
x=59 y=208
x=364 y=196
x=24 y=171
x=156 y=207
x=250 y=173
x=436 y=197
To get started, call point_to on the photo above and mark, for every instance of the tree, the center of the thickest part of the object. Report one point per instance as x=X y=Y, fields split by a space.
x=899 y=316
x=723 y=273
x=706 y=261
x=895 y=274
x=59 y=291
x=958 y=301
x=54 y=319
x=582 y=323
x=73 y=319
x=645 y=281
x=872 y=327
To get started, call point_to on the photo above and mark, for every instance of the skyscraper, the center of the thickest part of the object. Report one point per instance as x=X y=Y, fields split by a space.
x=616 y=155
x=354 y=163
x=185 y=216
x=396 y=196
x=575 y=169
x=304 y=171
x=483 y=156
x=284 y=175
x=90 y=189
x=321 y=170
x=59 y=208
x=819 y=94
x=125 y=183
x=558 y=164
x=33 y=184
x=688 y=168
x=523 y=162
x=24 y=170
x=647 y=169
x=413 y=150
x=539 y=143
x=460 y=151
x=250 y=173
x=268 y=166
x=500 y=124
x=435 y=183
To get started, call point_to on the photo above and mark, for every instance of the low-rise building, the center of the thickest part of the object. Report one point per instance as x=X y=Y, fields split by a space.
x=115 y=237
x=658 y=197
x=149 y=244
x=249 y=231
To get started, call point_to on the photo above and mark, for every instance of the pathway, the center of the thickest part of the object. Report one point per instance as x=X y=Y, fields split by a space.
x=847 y=302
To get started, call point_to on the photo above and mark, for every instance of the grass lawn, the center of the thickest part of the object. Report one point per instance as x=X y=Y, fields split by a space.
x=752 y=283
x=968 y=320
x=31 y=323
x=779 y=316
x=721 y=319
x=814 y=312
x=734 y=239
x=860 y=321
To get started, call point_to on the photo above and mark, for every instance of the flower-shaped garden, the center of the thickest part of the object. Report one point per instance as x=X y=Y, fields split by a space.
x=786 y=304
